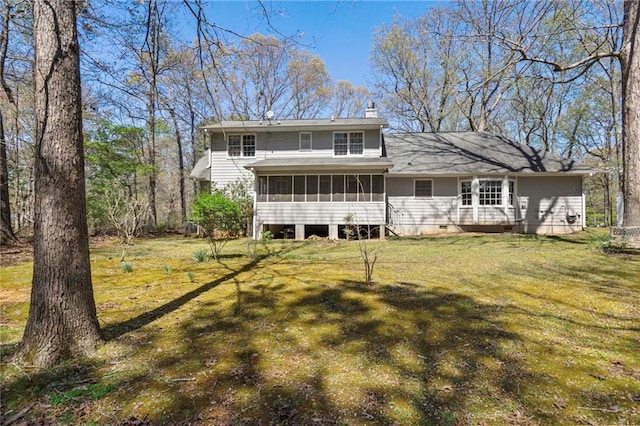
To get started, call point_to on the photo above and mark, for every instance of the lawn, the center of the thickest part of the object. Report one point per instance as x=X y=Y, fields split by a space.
x=457 y=330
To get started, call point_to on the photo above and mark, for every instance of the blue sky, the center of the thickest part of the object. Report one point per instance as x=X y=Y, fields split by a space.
x=340 y=32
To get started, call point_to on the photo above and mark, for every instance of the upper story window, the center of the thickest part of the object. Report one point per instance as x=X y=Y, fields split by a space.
x=305 y=141
x=348 y=143
x=241 y=145
x=423 y=188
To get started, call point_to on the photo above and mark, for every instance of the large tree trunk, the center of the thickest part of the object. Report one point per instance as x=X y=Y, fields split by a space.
x=630 y=60
x=62 y=316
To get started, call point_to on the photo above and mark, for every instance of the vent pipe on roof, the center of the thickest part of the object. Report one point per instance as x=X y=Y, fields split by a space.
x=371 y=111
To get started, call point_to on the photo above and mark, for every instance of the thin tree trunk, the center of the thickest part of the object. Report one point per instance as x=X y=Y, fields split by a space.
x=152 y=42
x=6 y=230
x=630 y=61
x=183 y=206
x=62 y=316
x=152 y=160
x=17 y=172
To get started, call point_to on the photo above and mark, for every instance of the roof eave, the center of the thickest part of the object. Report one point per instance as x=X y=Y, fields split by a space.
x=408 y=173
x=256 y=127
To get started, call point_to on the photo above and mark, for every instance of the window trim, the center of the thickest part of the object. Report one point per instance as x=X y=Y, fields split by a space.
x=492 y=194
x=310 y=142
x=348 y=133
x=477 y=196
x=415 y=192
x=470 y=193
x=242 y=145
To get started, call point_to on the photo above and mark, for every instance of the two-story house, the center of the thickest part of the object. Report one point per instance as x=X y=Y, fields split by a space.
x=315 y=177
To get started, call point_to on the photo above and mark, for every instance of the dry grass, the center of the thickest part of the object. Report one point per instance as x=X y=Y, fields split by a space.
x=496 y=329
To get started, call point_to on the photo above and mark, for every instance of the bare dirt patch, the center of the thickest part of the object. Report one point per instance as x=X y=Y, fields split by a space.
x=16 y=252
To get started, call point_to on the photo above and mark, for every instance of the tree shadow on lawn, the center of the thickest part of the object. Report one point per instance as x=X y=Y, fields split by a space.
x=300 y=350
x=60 y=391
x=114 y=331
x=346 y=353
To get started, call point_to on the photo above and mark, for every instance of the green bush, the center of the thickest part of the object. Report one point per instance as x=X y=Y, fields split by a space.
x=201 y=256
x=220 y=219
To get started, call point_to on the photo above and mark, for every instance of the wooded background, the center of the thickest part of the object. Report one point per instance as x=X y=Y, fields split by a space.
x=545 y=74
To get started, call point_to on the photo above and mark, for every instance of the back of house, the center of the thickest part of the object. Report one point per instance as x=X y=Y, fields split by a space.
x=324 y=176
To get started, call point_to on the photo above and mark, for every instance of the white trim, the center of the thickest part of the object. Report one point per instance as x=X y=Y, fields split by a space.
x=584 y=207
x=348 y=132
x=255 y=147
x=475 y=198
x=475 y=195
x=505 y=195
x=310 y=142
x=422 y=197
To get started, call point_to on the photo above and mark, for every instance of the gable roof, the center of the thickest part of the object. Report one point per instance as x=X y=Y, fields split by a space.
x=471 y=153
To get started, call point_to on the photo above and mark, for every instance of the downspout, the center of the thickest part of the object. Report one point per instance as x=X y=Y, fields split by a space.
x=208 y=138
x=210 y=147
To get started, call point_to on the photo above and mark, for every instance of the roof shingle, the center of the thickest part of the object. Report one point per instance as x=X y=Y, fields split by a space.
x=471 y=153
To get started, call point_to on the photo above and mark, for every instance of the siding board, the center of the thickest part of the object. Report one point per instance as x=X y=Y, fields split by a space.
x=276 y=144
x=320 y=213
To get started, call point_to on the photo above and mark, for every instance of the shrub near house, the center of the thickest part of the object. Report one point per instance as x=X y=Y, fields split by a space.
x=219 y=218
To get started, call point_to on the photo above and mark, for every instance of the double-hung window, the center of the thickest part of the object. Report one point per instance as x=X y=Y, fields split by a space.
x=241 y=145
x=465 y=193
x=423 y=188
x=348 y=143
x=305 y=141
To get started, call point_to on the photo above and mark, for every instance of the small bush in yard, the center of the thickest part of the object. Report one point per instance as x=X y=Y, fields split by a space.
x=220 y=218
x=127 y=267
x=201 y=256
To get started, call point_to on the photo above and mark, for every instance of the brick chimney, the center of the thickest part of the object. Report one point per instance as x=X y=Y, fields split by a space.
x=371 y=111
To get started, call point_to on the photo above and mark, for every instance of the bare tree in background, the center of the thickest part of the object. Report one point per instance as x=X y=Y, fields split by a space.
x=6 y=228
x=596 y=44
x=348 y=101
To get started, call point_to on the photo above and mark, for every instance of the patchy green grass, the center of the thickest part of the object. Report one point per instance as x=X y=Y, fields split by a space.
x=465 y=329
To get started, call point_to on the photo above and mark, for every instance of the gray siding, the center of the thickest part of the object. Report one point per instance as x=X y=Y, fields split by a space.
x=541 y=205
x=545 y=201
x=422 y=215
x=277 y=145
